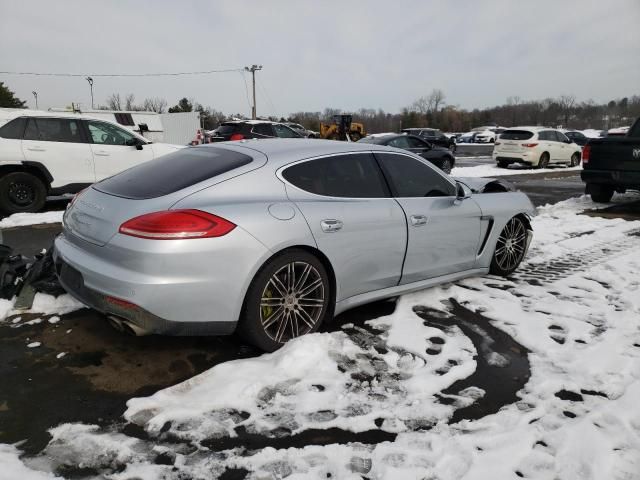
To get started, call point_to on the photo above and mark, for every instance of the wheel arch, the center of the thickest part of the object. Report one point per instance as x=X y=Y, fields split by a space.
x=34 y=168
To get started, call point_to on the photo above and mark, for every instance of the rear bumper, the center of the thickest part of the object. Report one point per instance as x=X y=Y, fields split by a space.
x=185 y=287
x=508 y=160
x=615 y=178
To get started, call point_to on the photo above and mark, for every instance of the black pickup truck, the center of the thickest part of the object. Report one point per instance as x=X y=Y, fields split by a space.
x=612 y=164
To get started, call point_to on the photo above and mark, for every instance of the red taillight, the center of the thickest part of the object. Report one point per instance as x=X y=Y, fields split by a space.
x=120 y=303
x=236 y=136
x=529 y=145
x=177 y=224
x=586 y=154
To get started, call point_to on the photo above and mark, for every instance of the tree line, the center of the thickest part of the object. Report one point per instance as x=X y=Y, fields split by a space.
x=431 y=110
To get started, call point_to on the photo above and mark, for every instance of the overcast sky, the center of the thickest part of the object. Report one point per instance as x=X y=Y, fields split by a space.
x=347 y=55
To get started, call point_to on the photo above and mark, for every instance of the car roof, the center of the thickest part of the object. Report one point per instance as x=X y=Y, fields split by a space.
x=280 y=151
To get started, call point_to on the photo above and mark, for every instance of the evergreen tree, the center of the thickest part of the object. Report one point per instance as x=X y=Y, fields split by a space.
x=8 y=99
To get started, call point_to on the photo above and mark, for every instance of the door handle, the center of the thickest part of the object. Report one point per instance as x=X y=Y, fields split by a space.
x=101 y=153
x=36 y=149
x=330 y=225
x=418 y=220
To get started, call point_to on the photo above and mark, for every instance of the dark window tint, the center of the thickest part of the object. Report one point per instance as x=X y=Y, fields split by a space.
x=53 y=130
x=284 y=132
x=172 y=172
x=562 y=137
x=634 y=131
x=440 y=136
x=227 y=129
x=412 y=178
x=124 y=119
x=416 y=143
x=13 y=129
x=516 y=135
x=399 y=142
x=547 y=135
x=353 y=176
x=263 y=129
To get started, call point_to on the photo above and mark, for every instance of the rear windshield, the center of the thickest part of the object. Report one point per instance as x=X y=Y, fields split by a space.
x=516 y=135
x=226 y=129
x=172 y=172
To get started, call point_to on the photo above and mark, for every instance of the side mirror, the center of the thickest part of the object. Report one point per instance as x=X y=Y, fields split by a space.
x=462 y=193
x=135 y=142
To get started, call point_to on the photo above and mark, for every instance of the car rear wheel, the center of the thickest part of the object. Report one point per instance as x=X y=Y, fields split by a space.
x=510 y=248
x=503 y=164
x=289 y=297
x=21 y=192
x=600 y=193
x=446 y=165
x=544 y=160
x=575 y=160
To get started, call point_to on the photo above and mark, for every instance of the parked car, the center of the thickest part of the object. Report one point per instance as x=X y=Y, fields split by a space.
x=576 y=137
x=469 y=137
x=51 y=154
x=274 y=238
x=301 y=130
x=612 y=164
x=433 y=136
x=535 y=147
x=246 y=129
x=440 y=157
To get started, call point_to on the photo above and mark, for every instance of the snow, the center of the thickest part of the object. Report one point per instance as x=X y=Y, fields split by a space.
x=33 y=344
x=22 y=219
x=54 y=319
x=493 y=171
x=42 y=304
x=574 y=304
x=11 y=468
x=592 y=133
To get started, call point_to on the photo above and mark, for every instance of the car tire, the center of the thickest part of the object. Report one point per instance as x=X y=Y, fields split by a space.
x=544 y=160
x=452 y=147
x=575 y=160
x=503 y=164
x=269 y=324
x=446 y=165
x=600 y=193
x=21 y=192
x=355 y=136
x=510 y=248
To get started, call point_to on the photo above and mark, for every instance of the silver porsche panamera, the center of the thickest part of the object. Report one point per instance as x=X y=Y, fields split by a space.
x=273 y=237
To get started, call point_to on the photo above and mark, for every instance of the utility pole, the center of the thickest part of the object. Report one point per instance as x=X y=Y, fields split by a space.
x=90 y=80
x=35 y=95
x=253 y=70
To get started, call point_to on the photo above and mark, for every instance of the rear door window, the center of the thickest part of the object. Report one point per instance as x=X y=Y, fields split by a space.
x=263 y=129
x=227 y=129
x=400 y=142
x=172 y=172
x=284 y=132
x=410 y=177
x=516 y=135
x=351 y=176
x=54 y=130
x=13 y=129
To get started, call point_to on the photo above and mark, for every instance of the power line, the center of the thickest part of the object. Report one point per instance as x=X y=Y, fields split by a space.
x=266 y=94
x=163 y=74
x=246 y=88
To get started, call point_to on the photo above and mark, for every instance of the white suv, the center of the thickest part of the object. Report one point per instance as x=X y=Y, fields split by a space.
x=535 y=147
x=45 y=154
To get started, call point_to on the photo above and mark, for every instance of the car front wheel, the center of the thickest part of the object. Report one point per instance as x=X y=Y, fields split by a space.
x=21 y=192
x=510 y=248
x=289 y=297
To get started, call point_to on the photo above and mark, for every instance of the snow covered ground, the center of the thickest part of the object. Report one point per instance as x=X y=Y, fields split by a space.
x=22 y=219
x=574 y=306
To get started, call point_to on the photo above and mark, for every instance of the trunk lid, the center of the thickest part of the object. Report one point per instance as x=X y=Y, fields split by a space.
x=617 y=153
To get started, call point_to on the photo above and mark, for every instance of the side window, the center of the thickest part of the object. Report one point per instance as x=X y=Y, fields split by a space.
x=416 y=143
x=440 y=136
x=543 y=136
x=13 y=129
x=284 y=132
x=400 y=142
x=562 y=137
x=411 y=178
x=53 y=130
x=263 y=129
x=106 y=134
x=351 y=176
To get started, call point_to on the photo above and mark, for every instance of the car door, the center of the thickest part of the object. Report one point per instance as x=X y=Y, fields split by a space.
x=564 y=147
x=353 y=219
x=443 y=232
x=418 y=146
x=547 y=141
x=263 y=130
x=59 y=144
x=114 y=149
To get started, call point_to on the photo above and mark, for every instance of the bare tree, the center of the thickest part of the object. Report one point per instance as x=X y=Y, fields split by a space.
x=114 y=102
x=422 y=105
x=156 y=104
x=566 y=104
x=129 y=102
x=436 y=99
x=513 y=105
